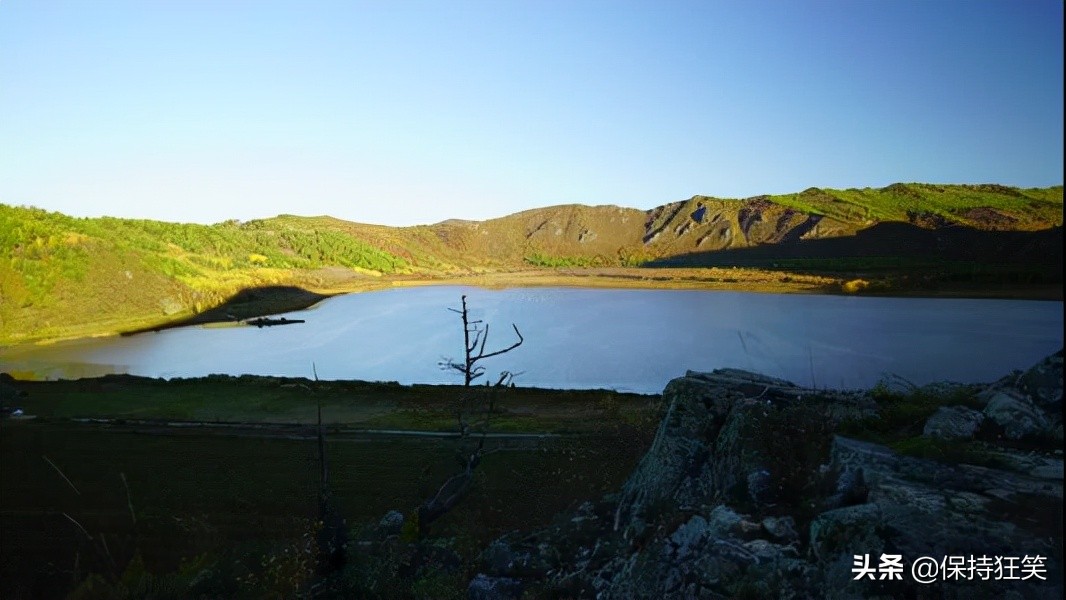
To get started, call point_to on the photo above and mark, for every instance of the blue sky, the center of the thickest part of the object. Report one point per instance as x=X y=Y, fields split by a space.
x=410 y=112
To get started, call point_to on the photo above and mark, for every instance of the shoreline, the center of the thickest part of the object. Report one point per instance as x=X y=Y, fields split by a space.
x=303 y=293
x=287 y=407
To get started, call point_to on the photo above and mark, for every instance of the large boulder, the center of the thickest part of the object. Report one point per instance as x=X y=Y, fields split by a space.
x=1043 y=383
x=1017 y=415
x=1028 y=405
x=953 y=422
x=748 y=491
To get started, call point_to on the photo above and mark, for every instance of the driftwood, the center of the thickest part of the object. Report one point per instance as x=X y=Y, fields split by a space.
x=268 y=322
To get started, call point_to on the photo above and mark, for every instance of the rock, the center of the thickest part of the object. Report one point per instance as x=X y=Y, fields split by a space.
x=499 y=558
x=748 y=491
x=391 y=523
x=848 y=530
x=781 y=528
x=689 y=539
x=850 y=488
x=765 y=552
x=725 y=522
x=171 y=306
x=1043 y=383
x=953 y=422
x=1018 y=417
x=502 y=558
x=835 y=537
x=483 y=587
x=695 y=412
x=760 y=487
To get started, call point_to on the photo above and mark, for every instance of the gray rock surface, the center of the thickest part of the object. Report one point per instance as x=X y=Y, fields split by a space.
x=1043 y=383
x=1016 y=414
x=483 y=587
x=953 y=422
x=748 y=490
x=391 y=523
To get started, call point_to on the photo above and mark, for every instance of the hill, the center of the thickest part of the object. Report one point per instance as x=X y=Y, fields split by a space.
x=64 y=276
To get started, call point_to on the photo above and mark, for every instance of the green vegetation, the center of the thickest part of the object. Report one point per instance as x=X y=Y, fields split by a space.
x=345 y=404
x=57 y=270
x=896 y=274
x=1031 y=208
x=901 y=417
x=197 y=497
x=872 y=264
x=625 y=257
x=43 y=247
x=902 y=413
x=949 y=451
x=538 y=259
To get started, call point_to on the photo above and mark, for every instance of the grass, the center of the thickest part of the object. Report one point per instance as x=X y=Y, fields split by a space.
x=1032 y=208
x=44 y=246
x=896 y=270
x=538 y=259
x=900 y=421
x=352 y=404
x=204 y=491
x=197 y=493
x=949 y=451
x=902 y=413
x=57 y=271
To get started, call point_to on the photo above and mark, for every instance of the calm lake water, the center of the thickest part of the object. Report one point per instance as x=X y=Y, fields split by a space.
x=634 y=340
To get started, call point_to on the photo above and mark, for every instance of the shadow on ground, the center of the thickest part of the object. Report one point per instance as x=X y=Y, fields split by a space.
x=246 y=304
x=1037 y=251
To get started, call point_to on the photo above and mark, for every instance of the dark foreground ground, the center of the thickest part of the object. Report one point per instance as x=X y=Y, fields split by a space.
x=173 y=472
x=729 y=485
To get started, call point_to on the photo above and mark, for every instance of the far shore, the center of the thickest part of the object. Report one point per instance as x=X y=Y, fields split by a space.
x=306 y=291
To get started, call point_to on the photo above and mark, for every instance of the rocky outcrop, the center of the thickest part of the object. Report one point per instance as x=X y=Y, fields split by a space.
x=954 y=422
x=749 y=490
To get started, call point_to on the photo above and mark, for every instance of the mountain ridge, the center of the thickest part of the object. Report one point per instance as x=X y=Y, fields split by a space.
x=56 y=269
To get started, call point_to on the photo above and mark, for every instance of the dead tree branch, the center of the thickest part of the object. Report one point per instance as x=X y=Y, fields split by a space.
x=470 y=453
x=332 y=538
x=475 y=339
x=61 y=474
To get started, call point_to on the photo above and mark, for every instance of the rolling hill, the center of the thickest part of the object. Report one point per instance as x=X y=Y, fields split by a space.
x=59 y=273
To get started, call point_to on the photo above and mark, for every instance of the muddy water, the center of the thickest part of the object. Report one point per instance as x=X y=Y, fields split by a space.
x=633 y=340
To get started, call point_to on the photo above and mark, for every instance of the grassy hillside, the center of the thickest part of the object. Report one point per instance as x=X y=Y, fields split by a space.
x=62 y=276
x=57 y=270
x=987 y=206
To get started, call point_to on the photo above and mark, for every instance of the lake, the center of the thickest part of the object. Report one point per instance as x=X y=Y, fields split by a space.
x=629 y=340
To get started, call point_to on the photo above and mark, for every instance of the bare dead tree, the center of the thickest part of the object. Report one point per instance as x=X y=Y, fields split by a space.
x=332 y=536
x=475 y=338
x=470 y=453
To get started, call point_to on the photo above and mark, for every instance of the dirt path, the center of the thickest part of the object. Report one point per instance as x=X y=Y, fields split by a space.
x=287 y=430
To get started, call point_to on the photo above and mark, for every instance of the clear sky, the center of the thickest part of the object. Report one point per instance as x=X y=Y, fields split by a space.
x=411 y=112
